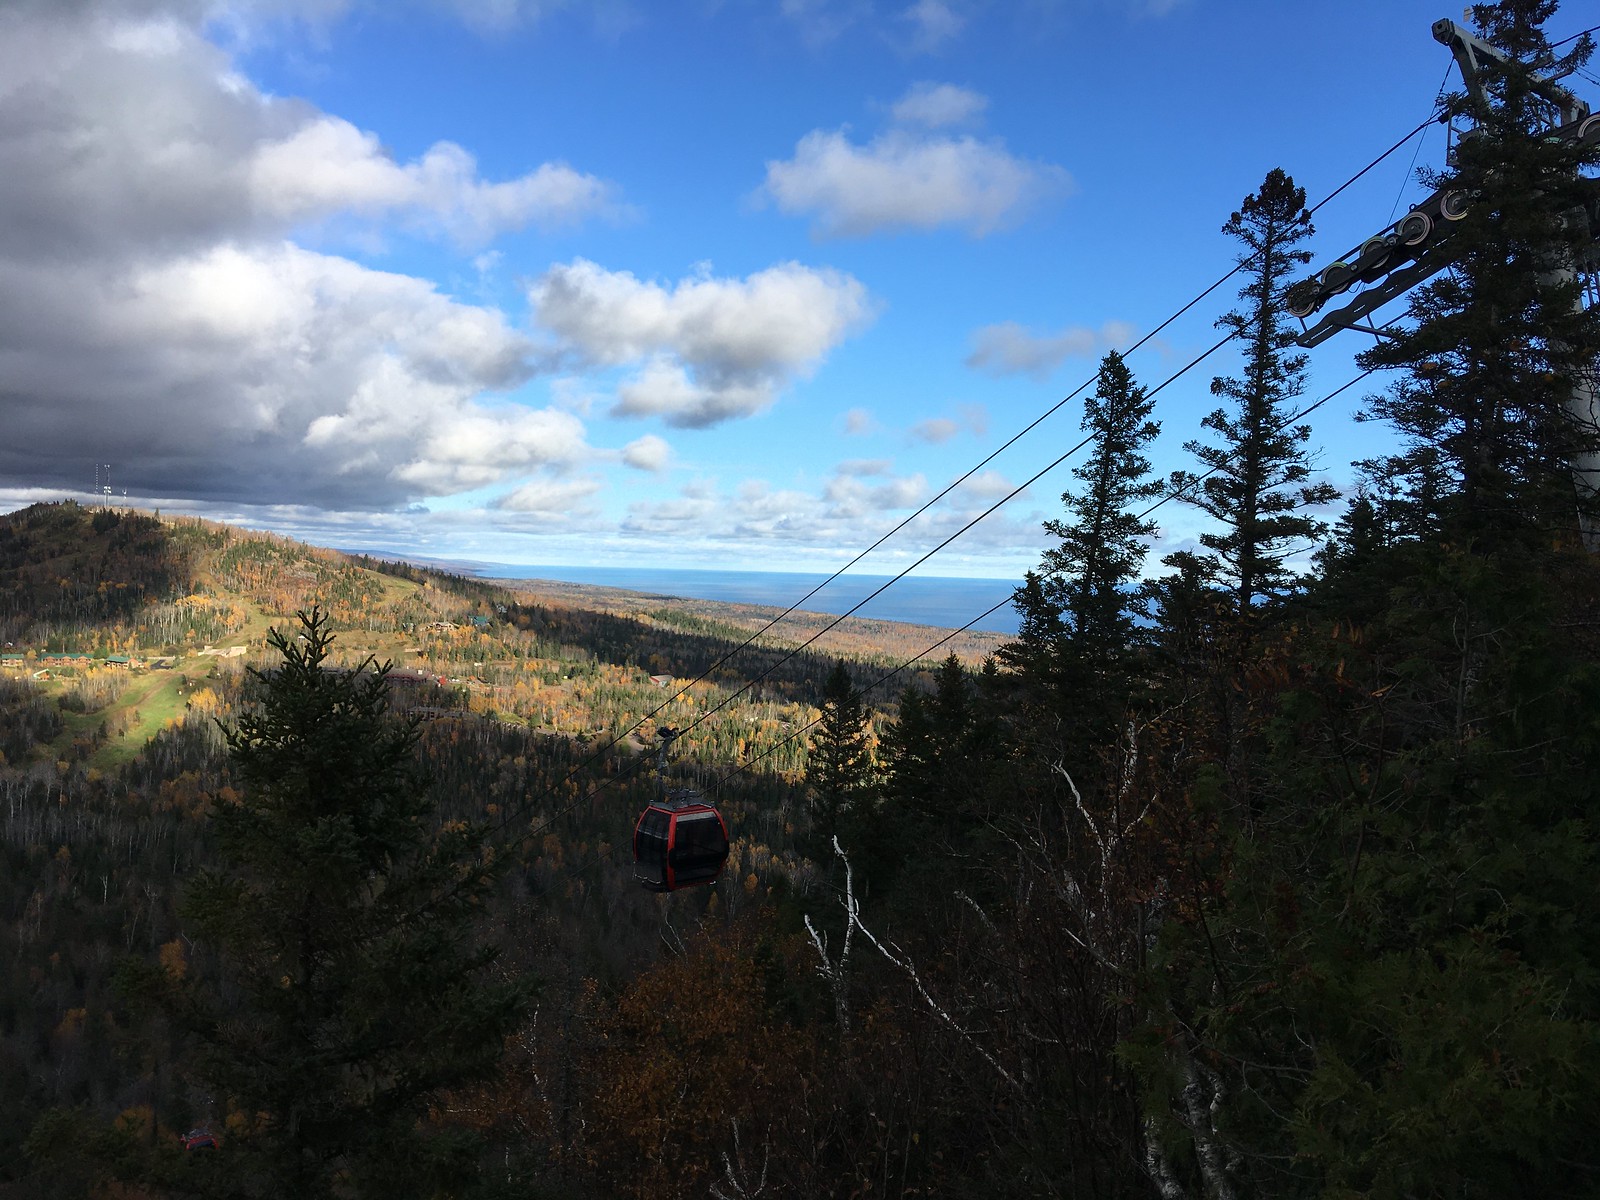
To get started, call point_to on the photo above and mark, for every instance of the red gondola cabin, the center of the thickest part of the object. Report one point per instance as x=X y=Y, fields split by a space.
x=199 y=1139
x=680 y=842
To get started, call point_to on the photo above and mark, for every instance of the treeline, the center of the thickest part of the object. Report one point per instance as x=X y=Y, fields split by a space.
x=682 y=647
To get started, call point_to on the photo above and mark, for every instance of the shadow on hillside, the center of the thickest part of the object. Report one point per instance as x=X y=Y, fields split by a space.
x=661 y=650
x=62 y=564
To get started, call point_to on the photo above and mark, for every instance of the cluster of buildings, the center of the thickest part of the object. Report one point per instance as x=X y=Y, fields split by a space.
x=40 y=663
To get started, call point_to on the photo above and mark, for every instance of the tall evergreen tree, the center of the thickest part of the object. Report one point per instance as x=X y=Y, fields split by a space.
x=1102 y=541
x=929 y=760
x=1257 y=482
x=1069 y=665
x=1497 y=344
x=1041 y=631
x=939 y=759
x=354 y=989
x=839 y=766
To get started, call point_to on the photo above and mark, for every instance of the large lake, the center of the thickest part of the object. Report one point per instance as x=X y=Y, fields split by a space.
x=921 y=600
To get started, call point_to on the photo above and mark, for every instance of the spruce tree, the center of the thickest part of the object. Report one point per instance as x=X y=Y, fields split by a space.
x=1041 y=633
x=1070 y=663
x=839 y=765
x=353 y=988
x=1257 y=487
x=927 y=752
x=937 y=758
x=1102 y=541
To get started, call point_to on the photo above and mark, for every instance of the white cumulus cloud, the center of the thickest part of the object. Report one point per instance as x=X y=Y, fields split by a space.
x=933 y=23
x=911 y=177
x=551 y=498
x=858 y=422
x=934 y=430
x=988 y=486
x=850 y=496
x=852 y=508
x=973 y=418
x=648 y=453
x=820 y=21
x=705 y=349
x=938 y=105
x=328 y=166
x=865 y=466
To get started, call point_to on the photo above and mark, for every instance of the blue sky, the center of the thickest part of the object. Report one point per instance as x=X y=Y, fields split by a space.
x=725 y=283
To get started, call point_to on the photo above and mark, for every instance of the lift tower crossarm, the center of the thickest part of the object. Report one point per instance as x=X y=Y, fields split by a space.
x=1397 y=258
x=1470 y=50
x=1420 y=243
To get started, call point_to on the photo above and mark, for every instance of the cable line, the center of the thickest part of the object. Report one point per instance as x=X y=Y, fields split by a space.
x=990 y=511
x=1175 y=493
x=1575 y=37
x=740 y=768
x=1304 y=412
x=616 y=739
x=743 y=767
x=1438 y=107
x=985 y=514
x=1432 y=117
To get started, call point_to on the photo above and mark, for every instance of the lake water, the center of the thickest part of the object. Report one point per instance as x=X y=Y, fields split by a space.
x=921 y=600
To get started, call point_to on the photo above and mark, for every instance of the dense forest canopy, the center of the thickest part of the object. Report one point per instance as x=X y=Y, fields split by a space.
x=1243 y=874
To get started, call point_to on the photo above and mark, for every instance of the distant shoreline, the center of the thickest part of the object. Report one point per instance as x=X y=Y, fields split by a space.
x=940 y=603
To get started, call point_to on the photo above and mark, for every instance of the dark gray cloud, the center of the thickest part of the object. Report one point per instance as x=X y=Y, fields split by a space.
x=156 y=313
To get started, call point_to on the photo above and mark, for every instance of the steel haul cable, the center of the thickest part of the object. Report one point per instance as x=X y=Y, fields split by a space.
x=617 y=739
x=1224 y=340
x=1173 y=494
x=1575 y=37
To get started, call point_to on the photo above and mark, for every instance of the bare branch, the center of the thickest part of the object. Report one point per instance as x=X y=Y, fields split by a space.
x=836 y=973
x=738 y=1175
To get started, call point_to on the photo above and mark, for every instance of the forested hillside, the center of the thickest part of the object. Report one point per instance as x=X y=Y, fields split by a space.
x=532 y=713
x=1254 y=872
